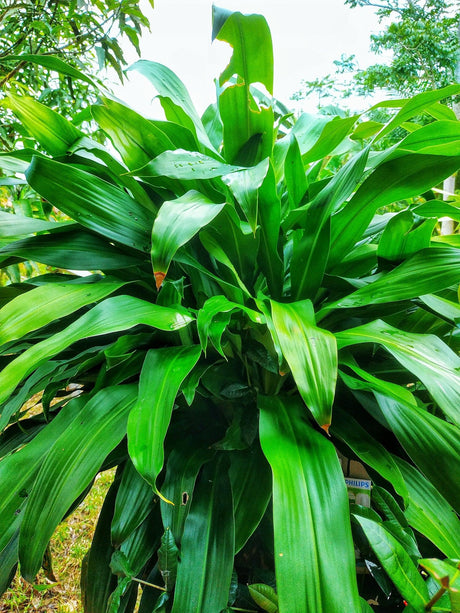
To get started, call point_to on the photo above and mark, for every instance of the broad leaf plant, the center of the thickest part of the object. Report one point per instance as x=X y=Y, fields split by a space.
x=228 y=304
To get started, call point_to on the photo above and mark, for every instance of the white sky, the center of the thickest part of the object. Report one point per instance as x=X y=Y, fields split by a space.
x=307 y=36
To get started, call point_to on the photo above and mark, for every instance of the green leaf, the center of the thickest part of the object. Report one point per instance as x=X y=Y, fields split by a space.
x=169 y=86
x=395 y=179
x=183 y=465
x=425 y=355
x=51 y=130
x=311 y=353
x=111 y=315
x=52 y=63
x=74 y=249
x=310 y=506
x=370 y=451
x=442 y=306
x=42 y=305
x=167 y=559
x=245 y=185
x=397 y=563
x=16 y=226
x=185 y=165
x=331 y=136
x=250 y=38
x=414 y=106
x=211 y=309
x=93 y=202
x=438 y=208
x=404 y=235
x=97 y=579
x=294 y=173
x=135 y=500
x=247 y=128
x=429 y=270
x=207 y=551
x=176 y=223
x=429 y=513
x=162 y=374
x=250 y=477
x=71 y=464
x=264 y=596
x=18 y=471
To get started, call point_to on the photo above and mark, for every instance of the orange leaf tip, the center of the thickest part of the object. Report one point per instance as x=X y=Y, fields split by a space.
x=159 y=278
x=326 y=427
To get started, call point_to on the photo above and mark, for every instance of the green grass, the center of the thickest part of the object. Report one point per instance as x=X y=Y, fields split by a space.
x=69 y=544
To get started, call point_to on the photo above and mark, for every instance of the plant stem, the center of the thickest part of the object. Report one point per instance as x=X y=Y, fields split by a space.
x=157 y=587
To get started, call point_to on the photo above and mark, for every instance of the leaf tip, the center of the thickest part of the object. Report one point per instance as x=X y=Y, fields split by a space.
x=159 y=278
x=326 y=427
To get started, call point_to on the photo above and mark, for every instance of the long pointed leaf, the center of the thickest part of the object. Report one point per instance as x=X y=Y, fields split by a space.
x=162 y=374
x=44 y=304
x=311 y=354
x=111 y=315
x=177 y=222
x=71 y=463
x=93 y=202
x=207 y=551
x=312 y=531
x=425 y=355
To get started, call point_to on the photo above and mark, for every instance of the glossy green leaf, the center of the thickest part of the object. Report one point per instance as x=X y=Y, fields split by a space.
x=206 y=562
x=72 y=250
x=250 y=38
x=331 y=136
x=97 y=579
x=111 y=315
x=52 y=131
x=310 y=506
x=310 y=251
x=425 y=355
x=162 y=374
x=169 y=86
x=183 y=465
x=8 y=563
x=416 y=105
x=137 y=139
x=167 y=559
x=404 y=235
x=245 y=185
x=311 y=353
x=211 y=309
x=429 y=513
x=438 y=138
x=294 y=173
x=71 y=463
x=264 y=596
x=44 y=304
x=429 y=270
x=269 y=256
x=52 y=63
x=247 y=129
x=368 y=450
x=176 y=223
x=16 y=226
x=397 y=563
x=185 y=165
x=93 y=202
x=438 y=208
x=250 y=477
x=397 y=179
x=18 y=471
x=442 y=306
x=135 y=500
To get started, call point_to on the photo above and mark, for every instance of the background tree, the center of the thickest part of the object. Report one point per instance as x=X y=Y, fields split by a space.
x=83 y=33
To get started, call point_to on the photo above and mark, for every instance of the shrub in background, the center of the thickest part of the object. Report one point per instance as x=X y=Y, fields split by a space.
x=250 y=311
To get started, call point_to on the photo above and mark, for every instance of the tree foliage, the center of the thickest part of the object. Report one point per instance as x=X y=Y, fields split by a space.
x=83 y=33
x=422 y=40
